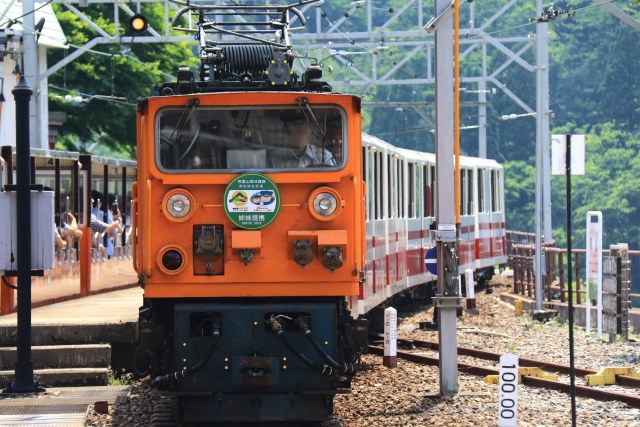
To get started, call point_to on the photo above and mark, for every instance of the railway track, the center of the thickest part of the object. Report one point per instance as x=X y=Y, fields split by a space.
x=582 y=391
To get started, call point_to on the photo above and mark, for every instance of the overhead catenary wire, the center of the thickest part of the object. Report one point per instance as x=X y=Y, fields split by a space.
x=11 y=21
x=515 y=27
x=98 y=52
x=107 y=98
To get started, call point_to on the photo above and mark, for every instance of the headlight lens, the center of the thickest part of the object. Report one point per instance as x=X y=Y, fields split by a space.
x=178 y=205
x=325 y=204
x=172 y=260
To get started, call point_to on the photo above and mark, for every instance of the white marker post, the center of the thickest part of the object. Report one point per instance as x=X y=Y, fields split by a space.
x=471 y=292
x=390 y=359
x=594 y=267
x=508 y=393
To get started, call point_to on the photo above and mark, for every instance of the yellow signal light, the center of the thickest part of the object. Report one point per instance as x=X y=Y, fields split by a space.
x=138 y=24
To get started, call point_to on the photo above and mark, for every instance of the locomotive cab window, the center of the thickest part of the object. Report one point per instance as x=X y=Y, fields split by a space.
x=194 y=138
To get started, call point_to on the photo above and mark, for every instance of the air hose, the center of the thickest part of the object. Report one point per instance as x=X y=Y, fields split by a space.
x=277 y=328
x=164 y=381
x=345 y=368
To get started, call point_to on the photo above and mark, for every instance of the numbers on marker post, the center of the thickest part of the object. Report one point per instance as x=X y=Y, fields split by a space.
x=508 y=391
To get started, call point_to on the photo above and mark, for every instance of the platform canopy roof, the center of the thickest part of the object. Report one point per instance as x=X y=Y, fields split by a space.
x=52 y=35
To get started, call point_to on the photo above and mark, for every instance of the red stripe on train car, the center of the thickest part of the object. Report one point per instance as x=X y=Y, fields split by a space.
x=386 y=258
x=415 y=261
x=375 y=274
x=485 y=243
x=416 y=234
x=397 y=257
x=492 y=252
x=467 y=229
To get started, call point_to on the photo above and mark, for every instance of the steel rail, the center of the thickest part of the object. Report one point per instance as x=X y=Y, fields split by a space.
x=589 y=392
x=623 y=380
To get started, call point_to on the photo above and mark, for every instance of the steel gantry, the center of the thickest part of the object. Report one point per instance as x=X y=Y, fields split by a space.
x=375 y=43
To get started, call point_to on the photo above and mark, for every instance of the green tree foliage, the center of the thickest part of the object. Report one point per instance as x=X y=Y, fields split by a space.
x=611 y=184
x=520 y=192
x=594 y=90
x=130 y=71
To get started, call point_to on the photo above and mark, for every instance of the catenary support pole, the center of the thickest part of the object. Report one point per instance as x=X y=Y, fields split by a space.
x=447 y=298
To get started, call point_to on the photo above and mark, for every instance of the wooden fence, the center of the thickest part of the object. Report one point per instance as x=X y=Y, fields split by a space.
x=521 y=252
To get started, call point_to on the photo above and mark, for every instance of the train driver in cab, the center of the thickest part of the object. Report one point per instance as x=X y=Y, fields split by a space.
x=300 y=150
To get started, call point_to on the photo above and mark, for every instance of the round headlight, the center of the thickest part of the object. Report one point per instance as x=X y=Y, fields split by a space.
x=172 y=259
x=178 y=205
x=325 y=203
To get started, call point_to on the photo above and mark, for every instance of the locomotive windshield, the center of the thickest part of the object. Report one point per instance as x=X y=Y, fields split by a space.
x=194 y=138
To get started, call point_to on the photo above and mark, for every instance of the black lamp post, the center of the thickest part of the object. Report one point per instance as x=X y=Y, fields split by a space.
x=24 y=380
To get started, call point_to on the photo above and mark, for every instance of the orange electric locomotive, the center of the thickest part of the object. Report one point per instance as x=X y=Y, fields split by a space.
x=249 y=231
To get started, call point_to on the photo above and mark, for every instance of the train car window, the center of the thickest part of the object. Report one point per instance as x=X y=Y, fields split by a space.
x=463 y=192
x=391 y=199
x=481 y=201
x=495 y=191
x=498 y=191
x=374 y=186
x=432 y=184
x=191 y=138
x=426 y=198
x=377 y=182
x=469 y=192
x=365 y=178
x=411 y=212
x=461 y=205
x=401 y=189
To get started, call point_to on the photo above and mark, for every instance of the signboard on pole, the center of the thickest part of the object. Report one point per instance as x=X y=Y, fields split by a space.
x=558 y=154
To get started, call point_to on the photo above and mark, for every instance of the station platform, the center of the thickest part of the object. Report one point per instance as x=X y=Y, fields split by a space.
x=108 y=307
x=106 y=317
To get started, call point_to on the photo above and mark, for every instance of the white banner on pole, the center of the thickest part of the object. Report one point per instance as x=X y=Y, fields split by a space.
x=559 y=154
x=594 y=268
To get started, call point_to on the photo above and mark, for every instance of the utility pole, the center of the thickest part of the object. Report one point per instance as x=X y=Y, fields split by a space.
x=543 y=184
x=447 y=298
